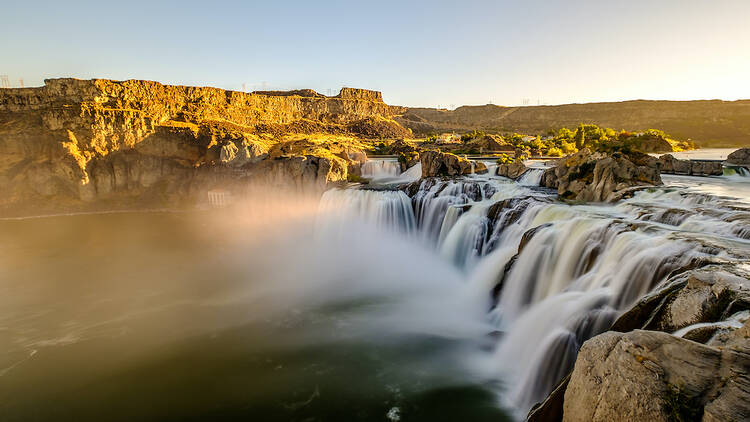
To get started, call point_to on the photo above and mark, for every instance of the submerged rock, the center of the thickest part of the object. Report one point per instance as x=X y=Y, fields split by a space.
x=436 y=163
x=597 y=177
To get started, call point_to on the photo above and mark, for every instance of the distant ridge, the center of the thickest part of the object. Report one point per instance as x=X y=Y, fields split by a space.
x=710 y=123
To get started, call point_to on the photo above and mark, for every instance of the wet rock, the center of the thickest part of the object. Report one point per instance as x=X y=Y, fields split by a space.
x=551 y=409
x=706 y=168
x=512 y=170
x=669 y=164
x=597 y=177
x=436 y=163
x=708 y=294
x=741 y=157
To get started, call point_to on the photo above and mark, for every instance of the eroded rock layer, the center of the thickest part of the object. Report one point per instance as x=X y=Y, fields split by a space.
x=84 y=140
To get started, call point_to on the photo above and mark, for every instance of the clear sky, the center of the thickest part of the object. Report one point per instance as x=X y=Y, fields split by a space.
x=419 y=53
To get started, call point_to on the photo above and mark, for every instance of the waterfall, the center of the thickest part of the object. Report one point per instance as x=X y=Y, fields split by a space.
x=388 y=171
x=532 y=177
x=738 y=171
x=553 y=275
x=385 y=209
x=381 y=169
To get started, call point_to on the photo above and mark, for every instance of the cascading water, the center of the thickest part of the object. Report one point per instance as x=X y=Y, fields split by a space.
x=381 y=169
x=388 y=172
x=532 y=177
x=554 y=275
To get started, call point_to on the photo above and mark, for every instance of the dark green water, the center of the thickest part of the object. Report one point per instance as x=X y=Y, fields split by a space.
x=205 y=316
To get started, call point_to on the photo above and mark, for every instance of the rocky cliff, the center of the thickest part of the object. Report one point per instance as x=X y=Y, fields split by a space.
x=80 y=140
x=708 y=123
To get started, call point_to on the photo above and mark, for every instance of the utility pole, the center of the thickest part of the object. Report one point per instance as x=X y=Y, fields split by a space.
x=4 y=83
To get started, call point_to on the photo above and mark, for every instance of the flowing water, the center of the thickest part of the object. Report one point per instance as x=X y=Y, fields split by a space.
x=464 y=299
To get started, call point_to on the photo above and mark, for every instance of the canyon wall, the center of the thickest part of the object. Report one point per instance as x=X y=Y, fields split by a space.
x=708 y=123
x=84 y=140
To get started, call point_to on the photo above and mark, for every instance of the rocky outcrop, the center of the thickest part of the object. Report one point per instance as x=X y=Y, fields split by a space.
x=638 y=371
x=597 y=177
x=512 y=171
x=707 y=123
x=436 y=163
x=653 y=376
x=670 y=165
x=706 y=295
x=85 y=140
x=408 y=155
x=741 y=157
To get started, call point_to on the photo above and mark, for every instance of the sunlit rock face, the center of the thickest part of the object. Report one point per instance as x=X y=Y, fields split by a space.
x=90 y=139
x=436 y=163
x=597 y=177
x=512 y=170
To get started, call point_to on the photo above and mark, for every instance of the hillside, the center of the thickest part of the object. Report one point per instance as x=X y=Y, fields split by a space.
x=708 y=123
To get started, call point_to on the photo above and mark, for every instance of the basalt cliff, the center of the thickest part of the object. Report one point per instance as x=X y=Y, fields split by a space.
x=84 y=141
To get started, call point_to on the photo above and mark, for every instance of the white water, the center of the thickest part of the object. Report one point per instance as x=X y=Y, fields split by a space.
x=582 y=267
x=388 y=171
x=734 y=321
x=532 y=177
x=379 y=169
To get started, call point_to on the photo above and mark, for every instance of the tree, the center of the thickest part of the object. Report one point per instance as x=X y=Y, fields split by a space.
x=580 y=136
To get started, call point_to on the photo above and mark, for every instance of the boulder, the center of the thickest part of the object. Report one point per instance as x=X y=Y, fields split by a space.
x=709 y=294
x=511 y=171
x=741 y=157
x=598 y=177
x=654 y=376
x=436 y=163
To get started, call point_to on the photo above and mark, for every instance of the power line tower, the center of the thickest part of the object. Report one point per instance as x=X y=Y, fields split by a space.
x=4 y=82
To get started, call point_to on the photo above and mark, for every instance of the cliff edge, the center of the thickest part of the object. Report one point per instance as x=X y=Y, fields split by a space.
x=84 y=140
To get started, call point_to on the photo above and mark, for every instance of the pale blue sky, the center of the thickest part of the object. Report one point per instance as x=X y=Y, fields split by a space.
x=419 y=53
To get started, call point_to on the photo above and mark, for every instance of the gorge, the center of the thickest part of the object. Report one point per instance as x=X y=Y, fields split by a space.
x=337 y=286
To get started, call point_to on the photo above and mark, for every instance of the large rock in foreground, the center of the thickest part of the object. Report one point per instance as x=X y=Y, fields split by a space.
x=703 y=305
x=597 y=177
x=436 y=163
x=741 y=157
x=654 y=376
